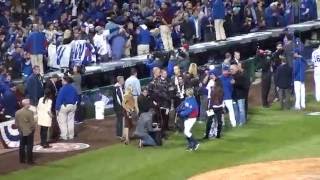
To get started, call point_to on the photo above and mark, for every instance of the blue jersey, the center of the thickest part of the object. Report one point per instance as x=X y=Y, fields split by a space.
x=188 y=108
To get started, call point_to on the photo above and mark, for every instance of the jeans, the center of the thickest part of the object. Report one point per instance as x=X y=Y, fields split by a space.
x=147 y=140
x=240 y=111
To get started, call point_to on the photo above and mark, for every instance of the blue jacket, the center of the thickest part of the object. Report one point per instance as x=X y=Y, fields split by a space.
x=227 y=87
x=144 y=37
x=67 y=95
x=170 y=67
x=299 y=69
x=188 y=108
x=36 y=43
x=9 y=102
x=218 y=10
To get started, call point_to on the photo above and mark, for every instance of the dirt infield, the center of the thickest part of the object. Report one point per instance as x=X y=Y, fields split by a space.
x=301 y=169
x=95 y=133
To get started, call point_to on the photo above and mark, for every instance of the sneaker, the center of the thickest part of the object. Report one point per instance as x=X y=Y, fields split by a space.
x=189 y=149
x=196 y=147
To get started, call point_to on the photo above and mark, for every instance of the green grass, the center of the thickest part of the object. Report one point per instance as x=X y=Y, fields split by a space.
x=271 y=134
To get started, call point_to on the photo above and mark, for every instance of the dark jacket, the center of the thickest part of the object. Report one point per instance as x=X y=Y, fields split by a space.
x=188 y=29
x=240 y=87
x=34 y=88
x=116 y=94
x=144 y=103
x=283 y=78
x=10 y=103
x=49 y=85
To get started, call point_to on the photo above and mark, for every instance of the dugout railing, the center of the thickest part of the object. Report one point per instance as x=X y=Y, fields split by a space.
x=89 y=97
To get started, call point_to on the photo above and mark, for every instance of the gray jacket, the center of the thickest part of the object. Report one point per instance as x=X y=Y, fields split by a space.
x=144 y=124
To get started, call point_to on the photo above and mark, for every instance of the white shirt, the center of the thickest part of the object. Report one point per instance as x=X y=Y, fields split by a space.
x=134 y=83
x=316 y=58
x=100 y=42
x=196 y=23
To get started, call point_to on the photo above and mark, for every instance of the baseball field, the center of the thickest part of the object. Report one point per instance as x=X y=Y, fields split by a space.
x=270 y=134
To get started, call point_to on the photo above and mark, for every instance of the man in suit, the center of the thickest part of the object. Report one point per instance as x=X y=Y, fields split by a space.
x=24 y=120
x=117 y=105
x=34 y=87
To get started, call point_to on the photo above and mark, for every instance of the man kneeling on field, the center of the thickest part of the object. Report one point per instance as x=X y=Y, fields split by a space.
x=144 y=128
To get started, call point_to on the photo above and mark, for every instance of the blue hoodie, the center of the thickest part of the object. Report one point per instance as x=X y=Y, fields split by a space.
x=227 y=87
x=36 y=43
x=218 y=10
x=299 y=69
x=144 y=37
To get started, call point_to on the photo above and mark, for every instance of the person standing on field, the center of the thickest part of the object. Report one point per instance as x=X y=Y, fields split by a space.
x=299 y=69
x=316 y=65
x=188 y=111
x=66 y=105
x=283 y=81
x=134 y=83
x=24 y=120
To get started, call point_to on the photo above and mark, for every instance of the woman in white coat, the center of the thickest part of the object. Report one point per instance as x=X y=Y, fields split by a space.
x=44 y=117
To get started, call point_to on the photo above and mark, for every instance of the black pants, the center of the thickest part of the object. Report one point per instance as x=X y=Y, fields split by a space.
x=164 y=120
x=78 y=116
x=44 y=135
x=265 y=88
x=218 y=119
x=208 y=126
x=26 y=145
x=119 y=124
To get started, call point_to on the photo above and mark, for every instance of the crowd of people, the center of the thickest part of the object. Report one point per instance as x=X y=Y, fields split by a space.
x=177 y=100
x=63 y=33
x=179 y=94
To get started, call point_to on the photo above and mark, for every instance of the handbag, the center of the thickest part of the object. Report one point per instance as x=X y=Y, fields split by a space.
x=210 y=112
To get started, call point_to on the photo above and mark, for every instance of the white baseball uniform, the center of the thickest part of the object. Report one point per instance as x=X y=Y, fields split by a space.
x=316 y=63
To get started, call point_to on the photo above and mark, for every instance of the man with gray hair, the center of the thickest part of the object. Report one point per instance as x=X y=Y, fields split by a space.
x=24 y=120
x=117 y=105
x=36 y=45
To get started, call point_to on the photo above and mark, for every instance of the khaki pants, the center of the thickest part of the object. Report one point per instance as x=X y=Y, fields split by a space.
x=37 y=60
x=165 y=32
x=143 y=49
x=66 y=121
x=218 y=27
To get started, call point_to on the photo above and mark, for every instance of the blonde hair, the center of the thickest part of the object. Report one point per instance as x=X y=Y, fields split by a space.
x=128 y=91
x=193 y=69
